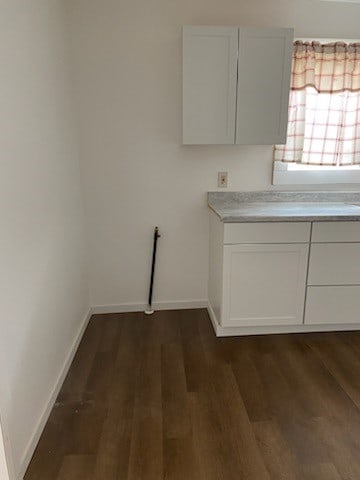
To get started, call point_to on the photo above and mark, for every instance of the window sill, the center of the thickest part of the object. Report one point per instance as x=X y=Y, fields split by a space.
x=282 y=175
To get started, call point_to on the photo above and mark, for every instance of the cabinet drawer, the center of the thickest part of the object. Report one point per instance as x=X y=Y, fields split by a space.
x=336 y=232
x=334 y=264
x=276 y=232
x=329 y=305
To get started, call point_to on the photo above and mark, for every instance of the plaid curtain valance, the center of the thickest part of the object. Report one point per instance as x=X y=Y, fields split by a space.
x=329 y=68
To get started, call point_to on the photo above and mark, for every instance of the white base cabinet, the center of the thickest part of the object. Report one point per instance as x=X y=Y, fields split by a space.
x=274 y=278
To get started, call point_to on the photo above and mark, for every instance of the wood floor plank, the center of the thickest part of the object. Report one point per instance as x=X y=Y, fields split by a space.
x=321 y=471
x=342 y=362
x=112 y=457
x=279 y=459
x=251 y=388
x=211 y=453
x=315 y=387
x=73 y=387
x=76 y=467
x=160 y=397
x=293 y=418
x=146 y=455
x=175 y=404
x=343 y=451
x=84 y=430
x=237 y=433
x=53 y=445
x=180 y=461
x=281 y=399
x=196 y=366
x=111 y=332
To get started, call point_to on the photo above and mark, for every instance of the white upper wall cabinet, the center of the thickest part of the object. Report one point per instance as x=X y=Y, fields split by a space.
x=264 y=68
x=235 y=84
x=209 y=84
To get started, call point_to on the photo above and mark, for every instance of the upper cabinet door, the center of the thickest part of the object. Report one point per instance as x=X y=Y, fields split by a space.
x=264 y=68
x=209 y=84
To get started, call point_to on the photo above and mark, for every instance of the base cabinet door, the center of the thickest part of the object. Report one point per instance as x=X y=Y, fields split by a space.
x=264 y=284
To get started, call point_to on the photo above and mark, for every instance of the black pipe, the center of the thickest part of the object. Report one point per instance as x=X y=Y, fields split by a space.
x=156 y=236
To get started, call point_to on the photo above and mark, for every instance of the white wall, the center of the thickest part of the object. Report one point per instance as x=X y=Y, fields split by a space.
x=43 y=297
x=4 y=471
x=127 y=65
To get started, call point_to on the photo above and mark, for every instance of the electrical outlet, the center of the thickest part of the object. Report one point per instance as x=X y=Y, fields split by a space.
x=222 y=179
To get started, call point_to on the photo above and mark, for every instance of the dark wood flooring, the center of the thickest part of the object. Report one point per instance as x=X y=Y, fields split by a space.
x=160 y=397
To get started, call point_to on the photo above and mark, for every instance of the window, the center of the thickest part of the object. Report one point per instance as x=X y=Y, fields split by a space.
x=323 y=139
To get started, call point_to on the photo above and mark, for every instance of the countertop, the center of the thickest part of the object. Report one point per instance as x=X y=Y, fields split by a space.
x=277 y=206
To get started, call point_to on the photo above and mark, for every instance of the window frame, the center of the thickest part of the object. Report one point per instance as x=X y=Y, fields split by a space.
x=285 y=175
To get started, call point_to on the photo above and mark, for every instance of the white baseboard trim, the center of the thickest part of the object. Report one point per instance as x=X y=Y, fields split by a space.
x=29 y=451
x=213 y=318
x=140 y=307
x=276 y=329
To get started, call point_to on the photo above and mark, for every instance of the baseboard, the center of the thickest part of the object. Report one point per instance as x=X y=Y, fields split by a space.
x=213 y=319
x=140 y=307
x=276 y=329
x=29 y=451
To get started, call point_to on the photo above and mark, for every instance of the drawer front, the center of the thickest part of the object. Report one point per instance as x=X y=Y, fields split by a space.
x=290 y=232
x=335 y=232
x=334 y=264
x=331 y=305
